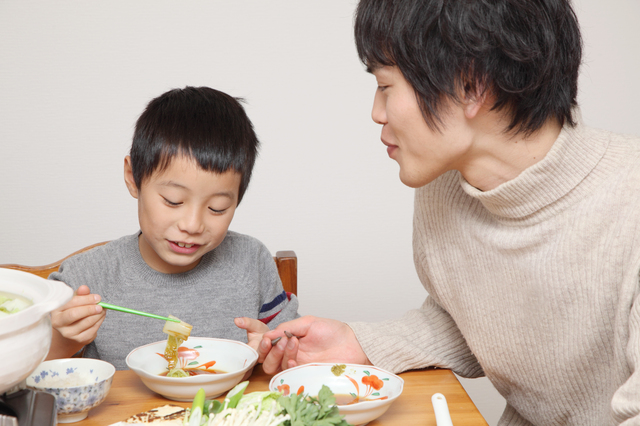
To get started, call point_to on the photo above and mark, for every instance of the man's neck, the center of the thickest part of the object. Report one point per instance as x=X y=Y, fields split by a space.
x=497 y=157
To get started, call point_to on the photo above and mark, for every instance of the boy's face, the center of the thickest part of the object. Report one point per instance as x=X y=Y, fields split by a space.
x=422 y=153
x=184 y=212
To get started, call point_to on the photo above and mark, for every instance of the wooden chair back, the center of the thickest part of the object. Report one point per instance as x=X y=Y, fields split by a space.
x=286 y=261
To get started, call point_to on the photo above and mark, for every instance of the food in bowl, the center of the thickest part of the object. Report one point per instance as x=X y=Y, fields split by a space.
x=177 y=333
x=363 y=392
x=232 y=359
x=12 y=304
x=79 y=384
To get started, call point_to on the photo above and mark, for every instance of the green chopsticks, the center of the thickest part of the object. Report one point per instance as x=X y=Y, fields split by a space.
x=133 y=311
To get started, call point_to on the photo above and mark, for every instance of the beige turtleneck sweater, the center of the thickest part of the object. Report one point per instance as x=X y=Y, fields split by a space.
x=534 y=284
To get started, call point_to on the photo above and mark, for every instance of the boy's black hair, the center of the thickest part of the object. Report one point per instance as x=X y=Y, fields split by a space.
x=526 y=53
x=199 y=122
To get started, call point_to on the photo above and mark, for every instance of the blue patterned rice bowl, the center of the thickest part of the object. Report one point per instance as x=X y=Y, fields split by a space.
x=79 y=384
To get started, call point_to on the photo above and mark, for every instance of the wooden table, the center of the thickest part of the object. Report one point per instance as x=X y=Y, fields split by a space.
x=129 y=396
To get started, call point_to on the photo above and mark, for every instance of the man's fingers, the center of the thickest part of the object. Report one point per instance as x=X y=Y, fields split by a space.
x=273 y=360
x=290 y=352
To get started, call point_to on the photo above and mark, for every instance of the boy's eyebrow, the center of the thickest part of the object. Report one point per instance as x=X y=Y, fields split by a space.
x=229 y=194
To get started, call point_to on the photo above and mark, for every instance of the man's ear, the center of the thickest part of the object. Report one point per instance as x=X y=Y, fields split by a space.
x=474 y=97
x=472 y=107
x=128 y=177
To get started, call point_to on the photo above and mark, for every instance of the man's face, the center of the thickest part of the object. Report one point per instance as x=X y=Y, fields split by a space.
x=184 y=212
x=423 y=154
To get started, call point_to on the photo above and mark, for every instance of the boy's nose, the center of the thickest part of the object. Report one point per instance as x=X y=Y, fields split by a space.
x=192 y=223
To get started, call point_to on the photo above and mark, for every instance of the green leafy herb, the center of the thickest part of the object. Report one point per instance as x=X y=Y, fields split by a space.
x=311 y=411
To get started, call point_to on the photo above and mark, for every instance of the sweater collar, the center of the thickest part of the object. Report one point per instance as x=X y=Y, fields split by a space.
x=571 y=158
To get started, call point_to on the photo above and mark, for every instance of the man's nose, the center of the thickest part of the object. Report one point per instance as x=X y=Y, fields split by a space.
x=379 y=112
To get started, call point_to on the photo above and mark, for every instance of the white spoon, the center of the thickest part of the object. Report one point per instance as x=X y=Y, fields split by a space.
x=441 y=410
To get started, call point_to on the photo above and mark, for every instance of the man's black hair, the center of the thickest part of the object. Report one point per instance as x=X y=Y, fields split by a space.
x=199 y=122
x=526 y=53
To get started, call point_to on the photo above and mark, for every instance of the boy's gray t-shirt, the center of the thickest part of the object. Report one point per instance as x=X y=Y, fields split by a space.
x=238 y=278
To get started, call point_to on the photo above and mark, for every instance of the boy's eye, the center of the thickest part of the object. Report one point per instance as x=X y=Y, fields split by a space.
x=217 y=211
x=171 y=203
x=382 y=88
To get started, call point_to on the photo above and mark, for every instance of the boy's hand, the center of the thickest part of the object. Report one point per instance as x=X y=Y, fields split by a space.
x=316 y=340
x=255 y=330
x=76 y=324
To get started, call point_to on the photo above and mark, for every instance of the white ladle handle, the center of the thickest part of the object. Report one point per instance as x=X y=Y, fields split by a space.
x=441 y=410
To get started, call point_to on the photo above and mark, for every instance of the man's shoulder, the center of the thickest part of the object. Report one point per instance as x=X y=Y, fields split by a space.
x=622 y=159
x=629 y=144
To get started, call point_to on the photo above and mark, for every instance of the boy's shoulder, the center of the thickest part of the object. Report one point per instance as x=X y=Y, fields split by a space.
x=236 y=240
x=110 y=252
x=240 y=248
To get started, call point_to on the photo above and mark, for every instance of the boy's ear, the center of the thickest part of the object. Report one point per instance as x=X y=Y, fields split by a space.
x=128 y=177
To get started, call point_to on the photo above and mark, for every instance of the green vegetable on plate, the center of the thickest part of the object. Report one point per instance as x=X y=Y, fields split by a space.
x=265 y=409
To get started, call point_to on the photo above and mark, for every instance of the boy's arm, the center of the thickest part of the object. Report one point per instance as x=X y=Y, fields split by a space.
x=287 y=310
x=278 y=306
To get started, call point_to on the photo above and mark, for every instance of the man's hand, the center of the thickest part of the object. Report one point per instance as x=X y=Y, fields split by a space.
x=315 y=340
x=75 y=324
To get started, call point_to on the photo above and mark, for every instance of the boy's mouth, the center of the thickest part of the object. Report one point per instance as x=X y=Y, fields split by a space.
x=184 y=248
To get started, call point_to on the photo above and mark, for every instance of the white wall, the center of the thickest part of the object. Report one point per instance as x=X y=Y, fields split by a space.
x=75 y=75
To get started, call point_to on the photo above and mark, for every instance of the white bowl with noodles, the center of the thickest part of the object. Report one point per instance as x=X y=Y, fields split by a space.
x=363 y=392
x=79 y=384
x=230 y=360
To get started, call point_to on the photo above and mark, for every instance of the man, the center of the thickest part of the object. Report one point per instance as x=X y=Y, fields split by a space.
x=526 y=225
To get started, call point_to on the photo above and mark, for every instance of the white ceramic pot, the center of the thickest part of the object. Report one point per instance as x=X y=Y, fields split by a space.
x=25 y=337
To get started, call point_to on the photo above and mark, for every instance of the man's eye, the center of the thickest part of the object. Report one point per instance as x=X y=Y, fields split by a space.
x=171 y=203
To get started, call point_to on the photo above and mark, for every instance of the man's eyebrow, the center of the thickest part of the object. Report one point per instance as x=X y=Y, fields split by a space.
x=371 y=68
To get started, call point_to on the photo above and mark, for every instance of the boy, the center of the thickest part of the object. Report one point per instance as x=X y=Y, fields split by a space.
x=526 y=221
x=190 y=164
